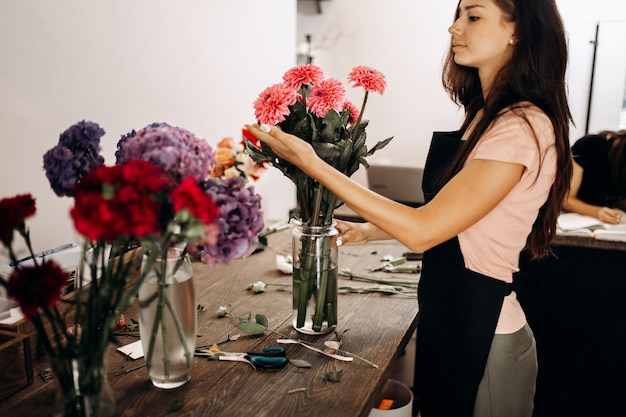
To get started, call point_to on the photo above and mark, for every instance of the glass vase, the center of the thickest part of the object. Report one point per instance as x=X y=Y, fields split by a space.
x=168 y=319
x=314 y=279
x=82 y=388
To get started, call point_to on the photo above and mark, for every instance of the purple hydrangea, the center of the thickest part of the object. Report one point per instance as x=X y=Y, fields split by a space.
x=173 y=149
x=240 y=219
x=77 y=153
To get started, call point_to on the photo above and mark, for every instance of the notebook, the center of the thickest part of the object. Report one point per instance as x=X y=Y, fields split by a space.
x=402 y=184
x=574 y=224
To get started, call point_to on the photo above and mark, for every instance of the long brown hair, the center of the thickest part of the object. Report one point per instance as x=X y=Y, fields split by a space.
x=536 y=74
x=617 y=159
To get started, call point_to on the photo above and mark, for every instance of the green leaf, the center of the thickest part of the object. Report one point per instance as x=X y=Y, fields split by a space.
x=333 y=129
x=333 y=376
x=329 y=152
x=262 y=320
x=251 y=327
x=300 y=363
x=379 y=146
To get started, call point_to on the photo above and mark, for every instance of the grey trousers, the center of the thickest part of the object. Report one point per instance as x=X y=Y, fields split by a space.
x=508 y=385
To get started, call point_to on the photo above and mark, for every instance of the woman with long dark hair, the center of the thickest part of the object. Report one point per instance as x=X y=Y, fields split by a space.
x=492 y=189
x=598 y=186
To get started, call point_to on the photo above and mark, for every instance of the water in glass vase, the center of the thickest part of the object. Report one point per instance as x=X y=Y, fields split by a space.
x=314 y=279
x=318 y=318
x=166 y=322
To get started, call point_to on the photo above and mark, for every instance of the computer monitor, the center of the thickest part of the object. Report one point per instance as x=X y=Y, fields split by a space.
x=402 y=184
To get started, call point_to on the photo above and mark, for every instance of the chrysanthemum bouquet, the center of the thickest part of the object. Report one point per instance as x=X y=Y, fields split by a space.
x=316 y=110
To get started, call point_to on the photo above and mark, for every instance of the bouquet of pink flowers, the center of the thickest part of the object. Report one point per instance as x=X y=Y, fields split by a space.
x=316 y=110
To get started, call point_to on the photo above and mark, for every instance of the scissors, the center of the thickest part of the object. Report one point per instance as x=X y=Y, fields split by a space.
x=269 y=358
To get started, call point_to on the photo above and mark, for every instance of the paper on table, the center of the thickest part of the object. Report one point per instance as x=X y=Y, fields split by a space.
x=132 y=350
x=574 y=224
x=575 y=221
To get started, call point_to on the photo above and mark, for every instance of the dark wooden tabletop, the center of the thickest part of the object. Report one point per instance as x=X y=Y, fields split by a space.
x=377 y=326
x=588 y=242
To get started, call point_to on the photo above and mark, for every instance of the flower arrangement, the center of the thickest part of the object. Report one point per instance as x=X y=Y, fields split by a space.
x=75 y=338
x=316 y=110
x=157 y=196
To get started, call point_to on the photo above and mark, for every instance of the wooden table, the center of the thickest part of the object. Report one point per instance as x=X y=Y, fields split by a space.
x=588 y=242
x=379 y=326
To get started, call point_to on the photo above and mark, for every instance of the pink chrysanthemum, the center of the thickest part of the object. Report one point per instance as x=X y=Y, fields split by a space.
x=354 y=111
x=273 y=103
x=368 y=78
x=304 y=74
x=327 y=95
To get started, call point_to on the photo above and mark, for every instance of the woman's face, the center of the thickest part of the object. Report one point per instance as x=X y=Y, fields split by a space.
x=482 y=37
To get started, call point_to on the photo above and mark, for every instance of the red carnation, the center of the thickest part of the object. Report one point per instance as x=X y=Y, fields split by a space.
x=119 y=201
x=13 y=212
x=37 y=286
x=190 y=196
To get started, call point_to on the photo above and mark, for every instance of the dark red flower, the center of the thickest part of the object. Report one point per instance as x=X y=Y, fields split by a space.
x=35 y=286
x=200 y=204
x=117 y=201
x=13 y=212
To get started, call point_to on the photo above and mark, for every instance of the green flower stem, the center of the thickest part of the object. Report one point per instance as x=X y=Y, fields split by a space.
x=126 y=371
x=318 y=316
x=304 y=279
x=385 y=289
x=317 y=205
x=155 y=327
x=329 y=212
x=305 y=212
x=331 y=306
x=358 y=122
x=350 y=275
x=179 y=330
x=321 y=346
x=163 y=302
x=324 y=273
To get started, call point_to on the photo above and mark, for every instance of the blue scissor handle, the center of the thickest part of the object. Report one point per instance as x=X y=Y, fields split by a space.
x=268 y=362
x=269 y=352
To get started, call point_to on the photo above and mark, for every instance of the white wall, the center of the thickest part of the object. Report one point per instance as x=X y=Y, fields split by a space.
x=407 y=40
x=198 y=64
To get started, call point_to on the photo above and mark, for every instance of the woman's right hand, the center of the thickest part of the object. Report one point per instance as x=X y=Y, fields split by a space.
x=609 y=215
x=287 y=146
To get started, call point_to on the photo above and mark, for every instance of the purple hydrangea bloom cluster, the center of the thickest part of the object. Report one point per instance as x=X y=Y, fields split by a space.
x=173 y=149
x=77 y=153
x=240 y=219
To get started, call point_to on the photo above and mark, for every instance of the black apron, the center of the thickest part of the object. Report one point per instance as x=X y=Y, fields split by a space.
x=458 y=312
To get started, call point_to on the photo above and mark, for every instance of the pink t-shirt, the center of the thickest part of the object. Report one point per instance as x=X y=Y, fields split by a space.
x=493 y=244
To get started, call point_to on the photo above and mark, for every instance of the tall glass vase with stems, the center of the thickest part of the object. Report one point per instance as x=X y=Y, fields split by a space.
x=168 y=318
x=314 y=279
